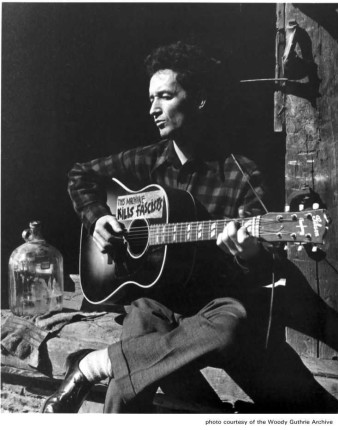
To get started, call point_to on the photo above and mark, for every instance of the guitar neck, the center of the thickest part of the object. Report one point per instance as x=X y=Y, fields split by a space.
x=196 y=231
x=298 y=227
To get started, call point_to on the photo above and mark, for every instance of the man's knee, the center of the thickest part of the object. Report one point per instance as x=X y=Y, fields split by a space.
x=225 y=317
x=149 y=306
x=224 y=308
x=146 y=316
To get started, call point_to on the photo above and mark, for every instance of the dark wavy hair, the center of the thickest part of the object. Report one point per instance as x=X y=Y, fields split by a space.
x=195 y=70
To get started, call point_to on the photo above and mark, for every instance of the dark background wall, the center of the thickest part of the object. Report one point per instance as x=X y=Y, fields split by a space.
x=74 y=88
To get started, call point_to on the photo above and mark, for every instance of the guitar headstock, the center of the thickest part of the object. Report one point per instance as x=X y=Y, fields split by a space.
x=304 y=227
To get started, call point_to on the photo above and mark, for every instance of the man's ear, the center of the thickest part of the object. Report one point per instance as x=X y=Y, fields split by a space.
x=198 y=101
x=202 y=103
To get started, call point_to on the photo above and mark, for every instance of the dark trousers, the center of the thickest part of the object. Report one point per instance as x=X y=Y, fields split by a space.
x=161 y=348
x=156 y=342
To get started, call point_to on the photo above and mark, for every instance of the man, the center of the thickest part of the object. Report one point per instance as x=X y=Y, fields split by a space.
x=168 y=335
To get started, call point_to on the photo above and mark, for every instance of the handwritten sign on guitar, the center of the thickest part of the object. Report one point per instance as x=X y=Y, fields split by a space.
x=142 y=205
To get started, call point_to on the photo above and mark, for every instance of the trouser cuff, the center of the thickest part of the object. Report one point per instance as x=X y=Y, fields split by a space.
x=121 y=371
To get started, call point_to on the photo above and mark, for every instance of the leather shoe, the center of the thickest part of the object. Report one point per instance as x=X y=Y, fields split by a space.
x=73 y=390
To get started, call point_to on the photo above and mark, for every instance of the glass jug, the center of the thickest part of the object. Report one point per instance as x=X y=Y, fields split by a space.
x=35 y=275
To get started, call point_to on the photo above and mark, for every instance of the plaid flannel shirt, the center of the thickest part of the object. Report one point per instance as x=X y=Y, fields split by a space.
x=218 y=184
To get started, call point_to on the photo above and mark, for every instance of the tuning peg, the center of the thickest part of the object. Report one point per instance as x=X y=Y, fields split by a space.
x=286 y=247
x=315 y=206
x=328 y=219
x=301 y=207
x=287 y=208
x=300 y=247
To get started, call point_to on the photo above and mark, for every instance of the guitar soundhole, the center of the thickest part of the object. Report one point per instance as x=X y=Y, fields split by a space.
x=137 y=238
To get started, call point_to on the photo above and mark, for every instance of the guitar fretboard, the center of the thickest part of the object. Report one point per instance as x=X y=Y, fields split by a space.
x=164 y=234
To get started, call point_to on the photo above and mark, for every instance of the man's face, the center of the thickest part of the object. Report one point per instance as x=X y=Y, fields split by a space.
x=170 y=107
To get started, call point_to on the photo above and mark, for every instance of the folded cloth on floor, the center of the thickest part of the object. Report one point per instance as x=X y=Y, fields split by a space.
x=23 y=336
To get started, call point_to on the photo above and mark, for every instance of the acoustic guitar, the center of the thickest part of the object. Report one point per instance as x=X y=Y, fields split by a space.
x=163 y=228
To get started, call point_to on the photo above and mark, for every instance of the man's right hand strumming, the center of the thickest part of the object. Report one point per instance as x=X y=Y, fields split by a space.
x=107 y=233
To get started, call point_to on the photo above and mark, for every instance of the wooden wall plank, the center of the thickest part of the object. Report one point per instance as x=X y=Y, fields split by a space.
x=312 y=151
x=279 y=95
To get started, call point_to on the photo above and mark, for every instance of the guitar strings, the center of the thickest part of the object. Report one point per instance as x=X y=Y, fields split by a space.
x=157 y=229
x=173 y=227
x=184 y=237
x=204 y=224
x=194 y=237
x=199 y=230
x=199 y=226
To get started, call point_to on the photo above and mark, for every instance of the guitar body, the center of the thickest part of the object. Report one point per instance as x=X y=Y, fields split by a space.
x=137 y=266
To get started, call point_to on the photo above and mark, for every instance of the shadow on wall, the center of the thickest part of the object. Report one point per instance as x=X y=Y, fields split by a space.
x=326 y=15
x=299 y=65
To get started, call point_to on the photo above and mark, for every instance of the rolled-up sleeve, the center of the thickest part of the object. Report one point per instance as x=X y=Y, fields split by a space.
x=88 y=183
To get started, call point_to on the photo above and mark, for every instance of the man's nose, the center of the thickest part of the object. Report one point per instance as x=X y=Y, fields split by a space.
x=155 y=108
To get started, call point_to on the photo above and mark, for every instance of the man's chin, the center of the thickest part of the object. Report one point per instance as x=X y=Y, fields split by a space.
x=165 y=134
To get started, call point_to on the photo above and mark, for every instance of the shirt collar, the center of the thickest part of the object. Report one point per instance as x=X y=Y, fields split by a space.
x=170 y=156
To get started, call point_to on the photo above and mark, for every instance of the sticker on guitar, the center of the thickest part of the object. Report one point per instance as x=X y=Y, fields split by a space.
x=142 y=205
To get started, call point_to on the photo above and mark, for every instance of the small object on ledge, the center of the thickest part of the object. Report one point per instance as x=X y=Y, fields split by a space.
x=35 y=275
